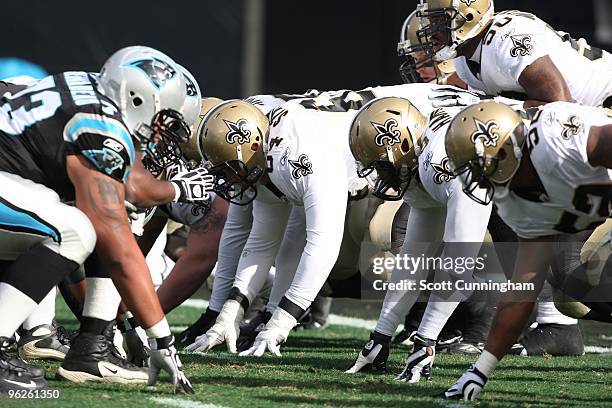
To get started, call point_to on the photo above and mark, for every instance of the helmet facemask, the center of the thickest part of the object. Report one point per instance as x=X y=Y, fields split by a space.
x=480 y=176
x=160 y=141
x=387 y=182
x=234 y=182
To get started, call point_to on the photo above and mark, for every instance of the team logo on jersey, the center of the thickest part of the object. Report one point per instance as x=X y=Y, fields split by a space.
x=158 y=71
x=442 y=171
x=387 y=131
x=285 y=156
x=275 y=115
x=437 y=119
x=238 y=133
x=571 y=127
x=301 y=167
x=254 y=101
x=468 y=2
x=521 y=46
x=484 y=133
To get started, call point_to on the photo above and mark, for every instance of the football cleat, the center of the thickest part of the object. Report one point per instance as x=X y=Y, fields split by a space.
x=448 y=339
x=94 y=358
x=468 y=386
x=419 y=362
x=199 y=327
x=551 y=339
x=374 y=354
x=250 y=330
x=464 y=347
x=404 y=337
x=42 y=342
x=16 y=374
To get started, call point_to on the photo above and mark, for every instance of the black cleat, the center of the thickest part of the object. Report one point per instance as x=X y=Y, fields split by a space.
x=16 y=374
x=95 y=358
x=551 y=339
x=198 y=328
x=42 y=342
x=249 y=330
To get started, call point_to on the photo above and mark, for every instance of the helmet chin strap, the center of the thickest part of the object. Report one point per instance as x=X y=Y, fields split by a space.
x=518 y=153
x=239 y=153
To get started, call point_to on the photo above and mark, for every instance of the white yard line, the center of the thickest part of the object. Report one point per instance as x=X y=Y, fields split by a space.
x=368 y=324
x=182 y=403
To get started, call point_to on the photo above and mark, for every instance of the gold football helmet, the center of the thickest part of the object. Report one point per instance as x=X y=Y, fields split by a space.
x=449 y=23
x=190 y=148
x=385 y=141
x=484 y=145
x=417 y=57
x=231 y=138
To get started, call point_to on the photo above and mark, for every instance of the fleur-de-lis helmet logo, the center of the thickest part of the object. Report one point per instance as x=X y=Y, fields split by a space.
x=484 y=133
x=386 y=132
x=468 y=2
x=238 y=133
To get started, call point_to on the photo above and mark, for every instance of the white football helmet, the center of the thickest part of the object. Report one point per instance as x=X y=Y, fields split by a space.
x=150 y=90
x=193 y=101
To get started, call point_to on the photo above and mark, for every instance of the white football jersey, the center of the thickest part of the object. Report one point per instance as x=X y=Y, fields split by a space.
x=575 y=195
x=516 y=39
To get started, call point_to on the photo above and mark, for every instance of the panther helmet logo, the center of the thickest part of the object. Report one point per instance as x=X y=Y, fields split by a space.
x=159 y=72
x=387 y=131
x=238 y=133
x=484 y=133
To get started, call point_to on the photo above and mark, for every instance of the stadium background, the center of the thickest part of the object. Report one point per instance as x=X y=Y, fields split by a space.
x=244 y=47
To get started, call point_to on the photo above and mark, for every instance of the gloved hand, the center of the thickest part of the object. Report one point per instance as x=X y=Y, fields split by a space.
x=164 y=357
x=273 y=335
x=375 y=353
x=192 y=186
x=199 y=327
x=468 y=386
x=226 y=328
x=137 y=351
x=419 y=362
x=447 y=97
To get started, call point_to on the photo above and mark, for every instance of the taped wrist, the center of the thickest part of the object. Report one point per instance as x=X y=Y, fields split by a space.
x=380 y=338
x=161 y=342
x=239 y=297
x=291 y=308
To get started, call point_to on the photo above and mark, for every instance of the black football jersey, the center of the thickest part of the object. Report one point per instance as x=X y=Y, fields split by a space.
x=60 y=115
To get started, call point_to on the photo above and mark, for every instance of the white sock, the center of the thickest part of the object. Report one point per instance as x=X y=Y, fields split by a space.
x=486 y=363
x=44 y=312
x=435 y=317
x=101 y=299
x=15 y=307
x=547 y=312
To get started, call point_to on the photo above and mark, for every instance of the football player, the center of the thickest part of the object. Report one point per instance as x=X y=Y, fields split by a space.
x=329 y=114
x=549 y=180
x=416 y=67
x=88 y=153
x=403 y=149
x=515 y=54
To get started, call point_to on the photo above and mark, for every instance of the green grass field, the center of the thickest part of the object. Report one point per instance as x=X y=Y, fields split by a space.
x=310 y=374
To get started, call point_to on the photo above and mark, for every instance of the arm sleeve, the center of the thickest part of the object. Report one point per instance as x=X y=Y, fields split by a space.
x=464 y=230
x=269 y=222
x=233 y=238
x=325 y=198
